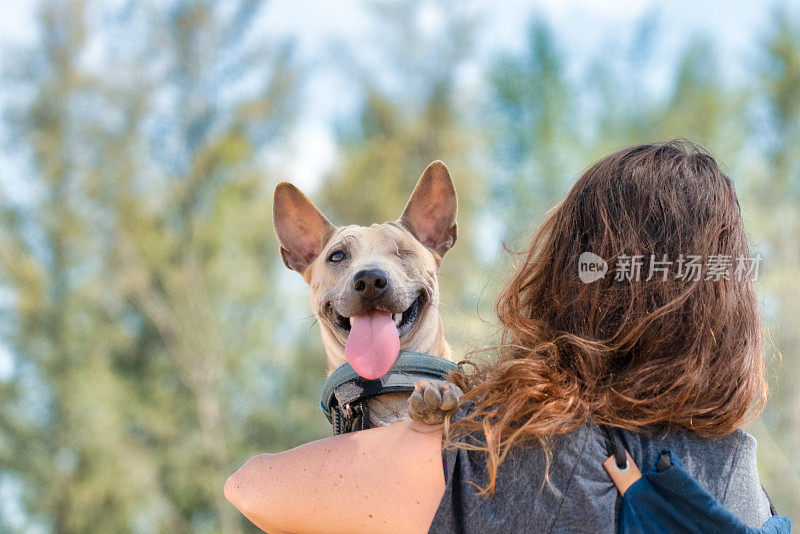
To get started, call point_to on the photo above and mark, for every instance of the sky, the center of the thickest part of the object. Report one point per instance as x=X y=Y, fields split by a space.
x=581 y=27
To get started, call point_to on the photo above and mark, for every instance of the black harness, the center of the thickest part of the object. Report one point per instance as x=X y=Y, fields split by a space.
x=345 y=393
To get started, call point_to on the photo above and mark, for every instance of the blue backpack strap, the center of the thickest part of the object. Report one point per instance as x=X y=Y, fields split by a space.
x=670 y=500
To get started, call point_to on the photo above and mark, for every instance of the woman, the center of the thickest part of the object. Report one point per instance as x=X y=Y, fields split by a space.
x=665 y=345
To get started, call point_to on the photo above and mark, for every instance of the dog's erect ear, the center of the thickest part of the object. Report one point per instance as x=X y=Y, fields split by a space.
x=301 y=229
x=431 y=211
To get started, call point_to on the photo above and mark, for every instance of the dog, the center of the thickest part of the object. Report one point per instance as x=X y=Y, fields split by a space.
x=374 y=290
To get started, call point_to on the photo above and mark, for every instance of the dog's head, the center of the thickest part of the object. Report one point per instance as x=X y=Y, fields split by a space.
x=373 y=289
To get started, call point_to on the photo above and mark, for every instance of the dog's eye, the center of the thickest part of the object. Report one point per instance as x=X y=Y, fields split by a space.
x=336 y=257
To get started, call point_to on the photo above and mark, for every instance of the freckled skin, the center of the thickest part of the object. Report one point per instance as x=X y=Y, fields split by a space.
x=335 y=495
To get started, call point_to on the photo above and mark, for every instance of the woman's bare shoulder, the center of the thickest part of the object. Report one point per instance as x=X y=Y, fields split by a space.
x=387 y=479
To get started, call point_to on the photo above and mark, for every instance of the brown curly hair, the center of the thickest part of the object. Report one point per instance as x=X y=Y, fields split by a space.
x=665 y=352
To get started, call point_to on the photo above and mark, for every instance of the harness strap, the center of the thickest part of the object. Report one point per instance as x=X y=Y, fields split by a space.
x=345 y=393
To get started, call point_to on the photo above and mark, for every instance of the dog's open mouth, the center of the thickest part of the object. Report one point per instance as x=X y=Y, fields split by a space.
x=403 y=321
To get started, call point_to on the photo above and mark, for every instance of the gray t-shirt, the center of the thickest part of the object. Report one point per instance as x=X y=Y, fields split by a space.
x=580 y=496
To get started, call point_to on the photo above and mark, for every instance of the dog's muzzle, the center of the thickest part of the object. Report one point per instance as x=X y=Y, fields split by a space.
x=345 y=393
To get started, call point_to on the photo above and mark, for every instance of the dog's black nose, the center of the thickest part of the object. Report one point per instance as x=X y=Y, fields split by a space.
x=370 y=282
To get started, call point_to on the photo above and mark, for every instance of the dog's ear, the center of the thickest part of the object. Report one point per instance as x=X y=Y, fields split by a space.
x=301 y=229
x=431 y=211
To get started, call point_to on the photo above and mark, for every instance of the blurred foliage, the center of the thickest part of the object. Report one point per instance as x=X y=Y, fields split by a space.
x=158 y=342
x=396 y=136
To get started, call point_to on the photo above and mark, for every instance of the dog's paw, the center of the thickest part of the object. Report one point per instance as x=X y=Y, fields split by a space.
x=433 y=400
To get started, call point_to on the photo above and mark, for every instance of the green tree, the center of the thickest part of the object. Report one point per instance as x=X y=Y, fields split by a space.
x=143 y=271
x=402 y=126
x=534 y=139
x=774 y=202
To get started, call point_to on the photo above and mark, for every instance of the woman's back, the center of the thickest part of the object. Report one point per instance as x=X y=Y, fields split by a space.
x=580 y=496
x=649 y=342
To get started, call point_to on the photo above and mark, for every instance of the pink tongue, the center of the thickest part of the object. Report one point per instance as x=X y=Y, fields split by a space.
x=372 y=345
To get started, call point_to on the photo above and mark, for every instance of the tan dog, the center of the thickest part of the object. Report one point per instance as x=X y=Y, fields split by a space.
x=374 y=289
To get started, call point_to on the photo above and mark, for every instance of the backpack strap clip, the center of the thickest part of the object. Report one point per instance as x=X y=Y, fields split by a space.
x=619 y=465
x=622 y=478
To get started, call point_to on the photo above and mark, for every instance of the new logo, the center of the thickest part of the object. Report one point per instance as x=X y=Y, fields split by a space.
x=591 y=267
